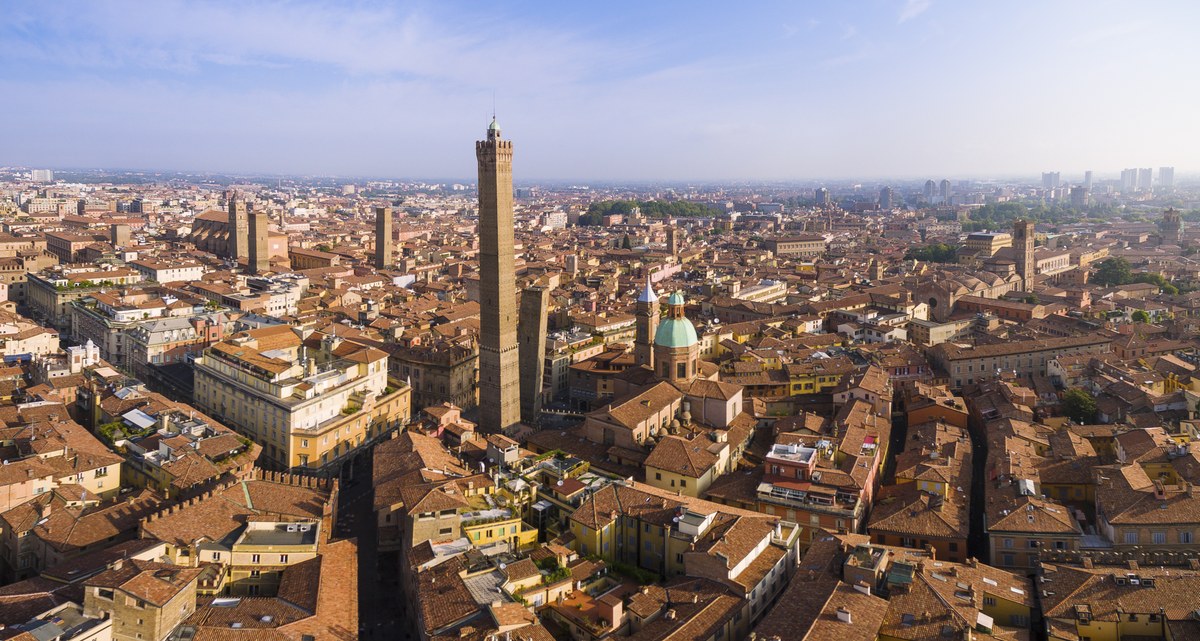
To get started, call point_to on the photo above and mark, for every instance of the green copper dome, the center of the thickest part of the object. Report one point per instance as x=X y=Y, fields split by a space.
x=675 y=299
x=676 y=332
x=495 y=126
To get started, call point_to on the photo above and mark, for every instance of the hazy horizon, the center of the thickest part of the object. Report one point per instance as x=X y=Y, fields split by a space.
x=619 y=92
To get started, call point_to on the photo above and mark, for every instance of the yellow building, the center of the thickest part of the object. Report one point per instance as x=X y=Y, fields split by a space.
x=309 y=402
x=1115 y=603
x=260 y=554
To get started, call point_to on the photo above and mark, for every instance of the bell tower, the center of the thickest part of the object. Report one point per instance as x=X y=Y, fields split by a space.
x=647 y=323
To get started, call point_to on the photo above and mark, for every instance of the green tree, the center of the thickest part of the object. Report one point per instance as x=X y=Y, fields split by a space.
x=1140 y=316
x=1113 y=271
x=1079 y=405
x=625 y=244
x=936 y=253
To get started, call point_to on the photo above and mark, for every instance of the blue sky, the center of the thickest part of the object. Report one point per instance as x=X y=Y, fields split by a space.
x=603 y=90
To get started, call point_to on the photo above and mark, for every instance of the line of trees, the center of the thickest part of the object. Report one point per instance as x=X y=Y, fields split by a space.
x=1116 y=271
x=649 y=208
x=935 y=253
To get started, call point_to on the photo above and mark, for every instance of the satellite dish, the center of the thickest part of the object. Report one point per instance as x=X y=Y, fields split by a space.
x=503 y=565
x=675 y=519
x=560 y=482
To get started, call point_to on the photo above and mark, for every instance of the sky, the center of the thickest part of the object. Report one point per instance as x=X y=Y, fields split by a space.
x=603 y=91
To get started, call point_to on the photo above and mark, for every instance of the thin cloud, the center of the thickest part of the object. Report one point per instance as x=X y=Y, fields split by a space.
x=914 y=8
x=1107 y=33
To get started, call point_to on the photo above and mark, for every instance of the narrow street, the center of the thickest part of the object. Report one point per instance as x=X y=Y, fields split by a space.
x=378 y=585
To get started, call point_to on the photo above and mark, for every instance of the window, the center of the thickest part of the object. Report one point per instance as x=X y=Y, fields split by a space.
x=443 y=531
x=1131 y=537
x=101 y=471
x=216 y=556
x=989 y=601
x=254 y=558
x=1019 y=620
x=1158 y=538
x=255 y=573
x=104 y=594
x=658 y=476
x=953 y=546
x=283 y=558
x=1034 y=544
x=1008 y=543
x=1008 y=559
x=682 y=482
x=1185 y=537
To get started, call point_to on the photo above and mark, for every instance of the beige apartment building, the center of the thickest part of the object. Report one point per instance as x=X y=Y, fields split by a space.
x=966 y=365
x=809 y=245
x=145 y=600
x=309 y=403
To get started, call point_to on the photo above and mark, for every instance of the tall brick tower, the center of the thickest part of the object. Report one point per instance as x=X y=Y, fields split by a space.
x=1023 y=250
x=259 y=260
x=1171 y=227
x=239 y=227
x=383 y=237
x=499 y=385
x=646 y=313
x=535 y=301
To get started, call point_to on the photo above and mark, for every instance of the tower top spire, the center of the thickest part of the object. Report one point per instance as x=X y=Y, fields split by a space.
x=648 y=295
x=493 y=129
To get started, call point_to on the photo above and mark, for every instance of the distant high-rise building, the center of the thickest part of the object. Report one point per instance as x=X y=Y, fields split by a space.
x=42 y=176
x=1128 y=181
x=886 y=197
x=1023 y=240
x=944 y=190
x=259 y=259
x=1051 y=179
x=1145 y=179
x=1166 y=177
x=1087 y=180
x=535 y=302
x=383 y=237
x=1079 y=196
x=822 y=197
x=499 y=369
x=930 y=190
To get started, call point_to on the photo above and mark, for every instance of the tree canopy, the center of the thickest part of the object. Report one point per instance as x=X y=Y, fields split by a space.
x=1116 y=271
x=936 y=253
x=649 y=208
x=1079 y=405
x=1113 y=271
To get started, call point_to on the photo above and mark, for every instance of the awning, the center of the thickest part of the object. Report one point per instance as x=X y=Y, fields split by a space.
x=139 y=418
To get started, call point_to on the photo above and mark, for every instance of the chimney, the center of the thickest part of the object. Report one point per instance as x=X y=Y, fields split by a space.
x=843 y=615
